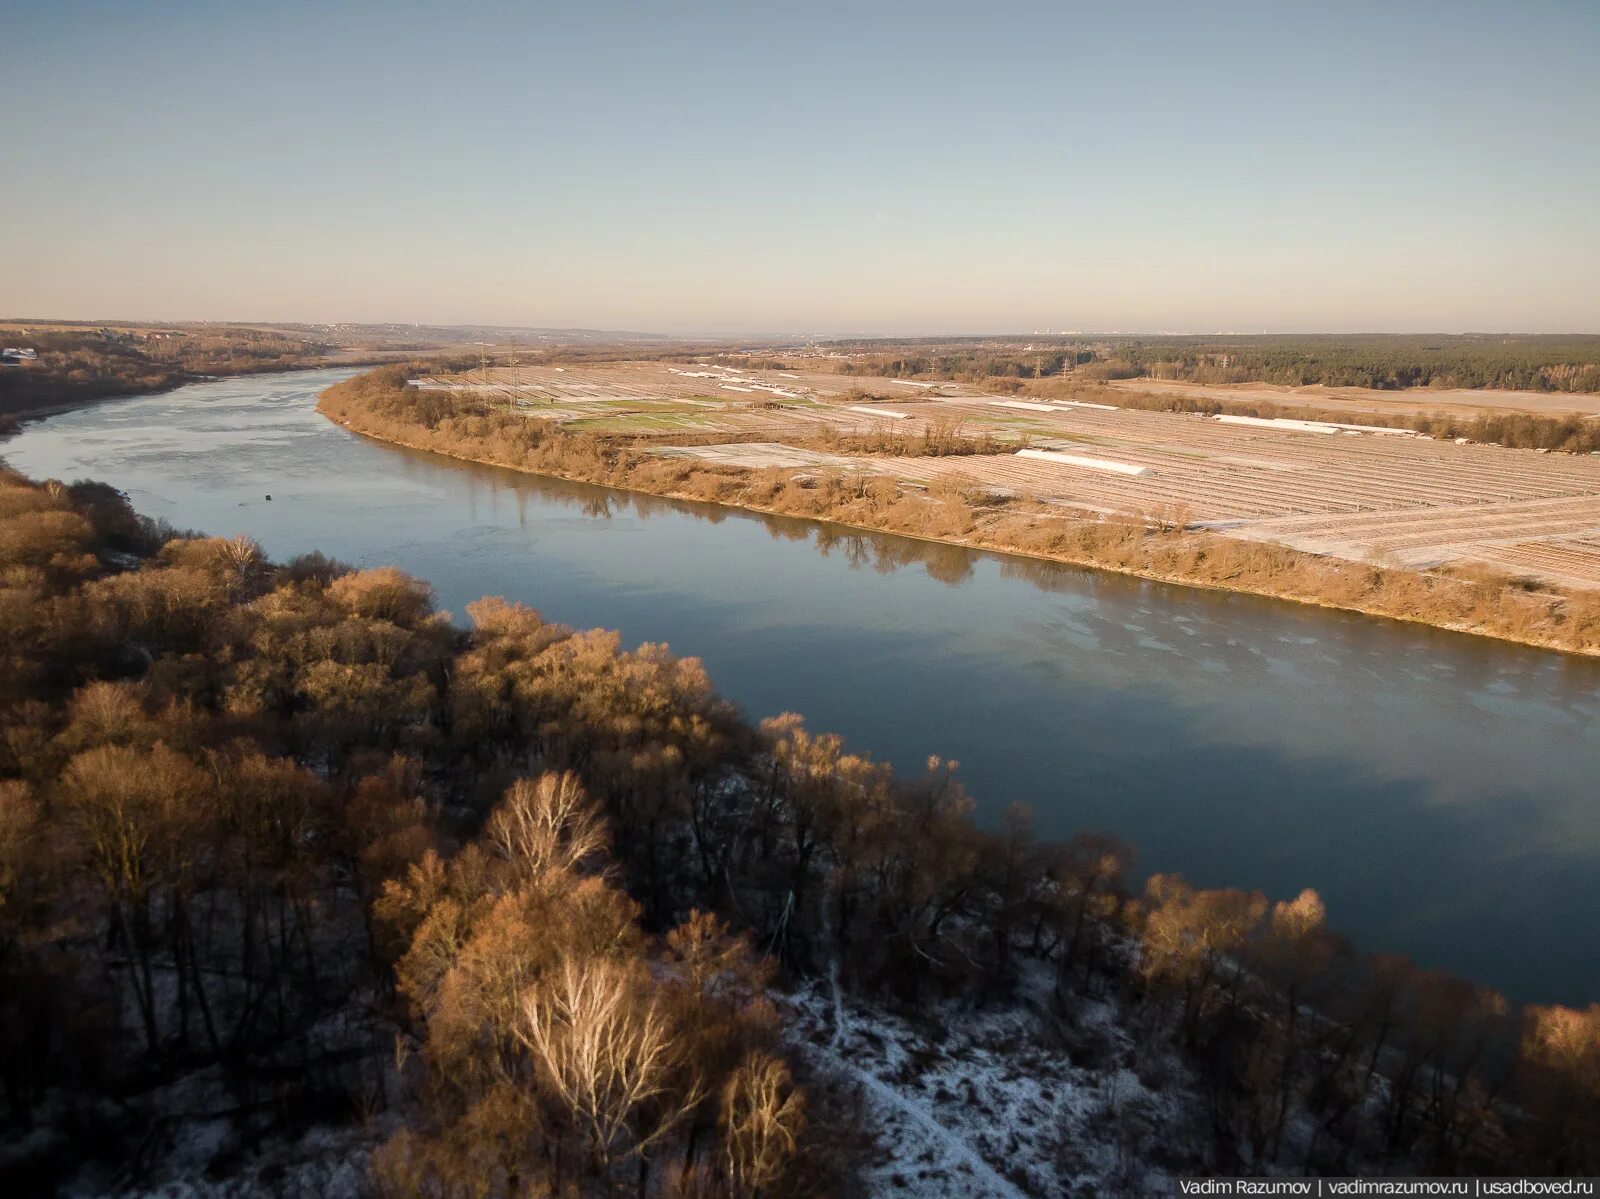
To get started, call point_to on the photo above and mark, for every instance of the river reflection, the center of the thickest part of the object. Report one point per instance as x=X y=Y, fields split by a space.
x=1439 y=790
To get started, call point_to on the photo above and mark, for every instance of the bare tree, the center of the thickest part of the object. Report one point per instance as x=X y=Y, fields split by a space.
x=1561 y=1049
x=546 y=824
x=1297 y=948
x=606 y=1053
x=1189 y=937
x=762 y=1115
x=136 y=812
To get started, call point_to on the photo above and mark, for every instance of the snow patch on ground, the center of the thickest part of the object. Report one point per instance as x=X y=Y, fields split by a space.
x=327 y=1163
x=987 y=1102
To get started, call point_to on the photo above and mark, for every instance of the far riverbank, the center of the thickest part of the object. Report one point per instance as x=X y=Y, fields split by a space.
x=379 y=404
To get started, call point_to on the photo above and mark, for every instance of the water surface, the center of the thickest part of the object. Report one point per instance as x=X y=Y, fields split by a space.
x=1439 y=790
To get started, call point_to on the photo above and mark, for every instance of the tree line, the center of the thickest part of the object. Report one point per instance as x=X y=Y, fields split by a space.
x=1523 y=362
x=1514 y=430
x=535 y=897
x=1569 y=364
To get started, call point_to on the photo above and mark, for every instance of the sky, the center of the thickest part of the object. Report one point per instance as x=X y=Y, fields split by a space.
x=878 y=167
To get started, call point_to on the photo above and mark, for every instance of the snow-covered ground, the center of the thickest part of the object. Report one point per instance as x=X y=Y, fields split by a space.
x=327 y=1163
x=1001 y=1102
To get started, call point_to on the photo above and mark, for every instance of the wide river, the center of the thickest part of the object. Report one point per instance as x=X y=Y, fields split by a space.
x=1439 y=790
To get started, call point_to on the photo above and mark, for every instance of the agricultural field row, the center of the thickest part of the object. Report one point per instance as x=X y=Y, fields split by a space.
x=1573 y=561
x=1366 y=496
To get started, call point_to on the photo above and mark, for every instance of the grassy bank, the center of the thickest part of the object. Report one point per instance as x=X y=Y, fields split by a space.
x=381 y=405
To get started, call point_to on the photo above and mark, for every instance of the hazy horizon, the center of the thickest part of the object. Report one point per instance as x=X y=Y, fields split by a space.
x=721 y=170
x=776 y=335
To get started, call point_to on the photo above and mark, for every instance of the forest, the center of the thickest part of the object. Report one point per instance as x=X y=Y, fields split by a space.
x=282 y=845
x=1524 y=362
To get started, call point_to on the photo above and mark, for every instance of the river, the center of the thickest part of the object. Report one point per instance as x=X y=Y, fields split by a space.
x=1438 y=790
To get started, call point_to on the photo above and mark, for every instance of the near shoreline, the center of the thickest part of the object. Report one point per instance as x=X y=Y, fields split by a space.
x=378 y=404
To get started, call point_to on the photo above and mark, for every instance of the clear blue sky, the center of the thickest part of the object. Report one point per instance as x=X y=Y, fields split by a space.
x=871 y=166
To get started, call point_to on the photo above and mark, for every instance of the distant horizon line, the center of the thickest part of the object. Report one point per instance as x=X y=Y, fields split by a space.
x=771 y=335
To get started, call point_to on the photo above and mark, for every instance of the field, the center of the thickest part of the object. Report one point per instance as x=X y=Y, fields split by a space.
x=654 y=397
x=1386 y=497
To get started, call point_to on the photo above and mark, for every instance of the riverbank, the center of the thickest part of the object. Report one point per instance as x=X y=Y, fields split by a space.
x=381 y=405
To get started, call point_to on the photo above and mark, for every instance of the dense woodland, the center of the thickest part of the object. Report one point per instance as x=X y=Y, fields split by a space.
x=78 y=365
x=527 y=902
x=1531 y=362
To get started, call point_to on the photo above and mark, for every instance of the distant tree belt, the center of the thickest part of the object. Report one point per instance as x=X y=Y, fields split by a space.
x=1555 y=363
x=1516 y=430
x=504 y=886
